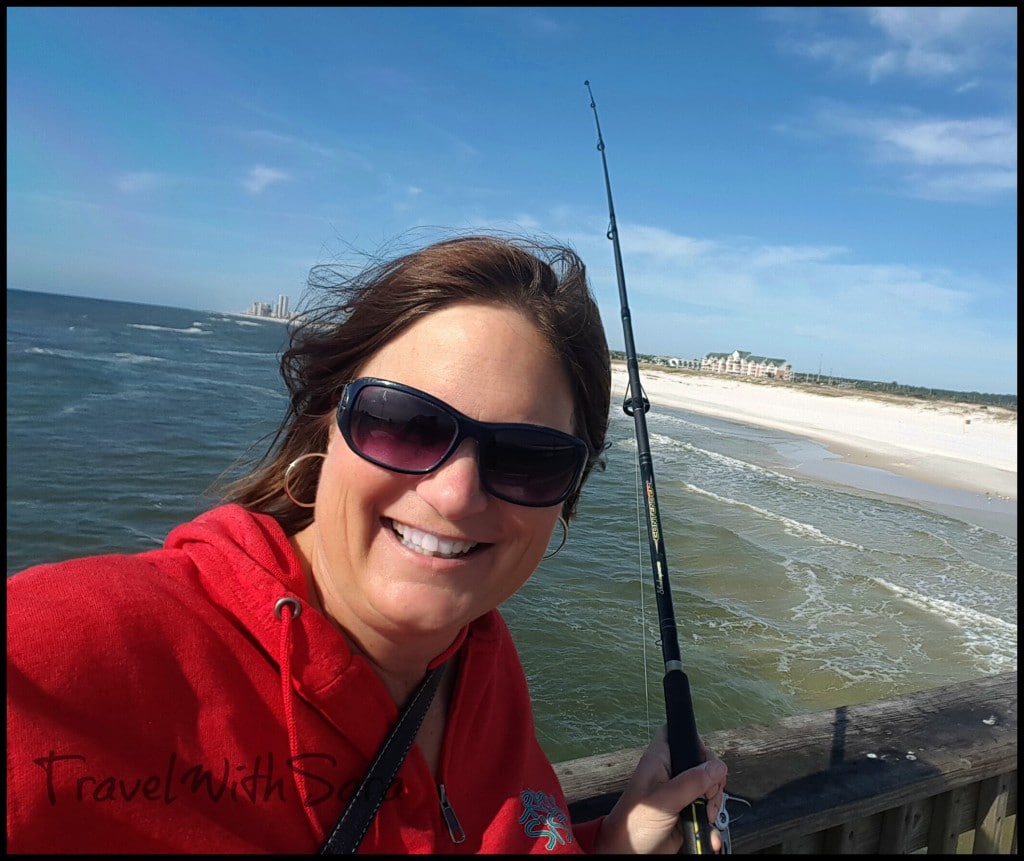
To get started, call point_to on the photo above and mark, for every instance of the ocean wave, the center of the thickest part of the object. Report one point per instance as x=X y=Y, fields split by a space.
x=151 y=327
x=789 y=525
x=78 y=356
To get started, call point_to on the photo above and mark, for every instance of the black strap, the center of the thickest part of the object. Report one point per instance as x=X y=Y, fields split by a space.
x=348 y=833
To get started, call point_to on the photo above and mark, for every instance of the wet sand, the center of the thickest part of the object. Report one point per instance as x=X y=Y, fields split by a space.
x=960 y=447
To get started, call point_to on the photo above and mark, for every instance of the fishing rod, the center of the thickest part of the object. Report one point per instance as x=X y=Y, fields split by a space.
x=683 y=739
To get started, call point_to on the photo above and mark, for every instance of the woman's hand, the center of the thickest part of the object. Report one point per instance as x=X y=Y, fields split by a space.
x=645 y=819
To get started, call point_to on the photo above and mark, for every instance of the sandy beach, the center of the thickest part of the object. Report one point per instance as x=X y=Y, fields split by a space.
x=953 y=445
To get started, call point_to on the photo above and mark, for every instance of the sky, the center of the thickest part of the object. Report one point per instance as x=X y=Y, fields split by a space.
x=835 y=187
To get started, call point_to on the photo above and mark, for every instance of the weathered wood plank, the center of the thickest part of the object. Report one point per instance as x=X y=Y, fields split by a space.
x=992 y=799
x=944 y=833
x=840 y=839
x=805 y=844
x=893 y=836
x=829 y=770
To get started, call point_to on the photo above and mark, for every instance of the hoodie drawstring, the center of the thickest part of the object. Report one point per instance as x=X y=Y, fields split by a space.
x=287 y=609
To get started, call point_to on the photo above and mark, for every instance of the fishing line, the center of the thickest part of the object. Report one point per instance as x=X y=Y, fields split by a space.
x=643 y=602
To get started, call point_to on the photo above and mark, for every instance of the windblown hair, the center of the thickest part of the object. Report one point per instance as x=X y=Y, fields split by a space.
x=547 y=283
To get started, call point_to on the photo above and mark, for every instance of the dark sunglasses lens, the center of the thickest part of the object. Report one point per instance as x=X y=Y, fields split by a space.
x=530 y=467
x=399 y=430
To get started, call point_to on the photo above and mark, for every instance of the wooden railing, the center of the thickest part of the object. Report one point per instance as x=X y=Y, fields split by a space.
x=934 y=771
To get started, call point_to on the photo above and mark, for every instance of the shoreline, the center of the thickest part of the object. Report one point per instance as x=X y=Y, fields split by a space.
x=953 y=446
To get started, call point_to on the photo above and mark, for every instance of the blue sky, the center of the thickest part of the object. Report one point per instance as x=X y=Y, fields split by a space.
x=834 y=187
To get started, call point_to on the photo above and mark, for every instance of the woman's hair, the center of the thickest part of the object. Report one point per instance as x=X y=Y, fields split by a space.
x=547 y=283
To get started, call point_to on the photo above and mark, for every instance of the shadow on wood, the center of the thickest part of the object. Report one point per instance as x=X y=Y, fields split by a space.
x=933 y=770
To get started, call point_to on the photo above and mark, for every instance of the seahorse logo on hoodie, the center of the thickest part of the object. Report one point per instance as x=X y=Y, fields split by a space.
x=542 y=817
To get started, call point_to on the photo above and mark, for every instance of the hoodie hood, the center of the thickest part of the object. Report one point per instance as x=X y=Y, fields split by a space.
x=265 y=571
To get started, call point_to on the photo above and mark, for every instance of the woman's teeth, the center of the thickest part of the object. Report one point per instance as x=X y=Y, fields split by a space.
x=431 y=545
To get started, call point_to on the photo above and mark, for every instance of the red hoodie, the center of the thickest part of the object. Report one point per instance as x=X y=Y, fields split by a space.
x=158 y=703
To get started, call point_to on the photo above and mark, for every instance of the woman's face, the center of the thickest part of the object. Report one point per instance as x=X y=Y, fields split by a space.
x=371 y=524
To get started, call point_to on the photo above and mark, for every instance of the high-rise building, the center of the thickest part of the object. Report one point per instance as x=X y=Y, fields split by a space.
x=282 y=307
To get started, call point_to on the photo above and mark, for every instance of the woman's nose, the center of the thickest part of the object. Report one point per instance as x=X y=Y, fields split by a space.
x=454 y=489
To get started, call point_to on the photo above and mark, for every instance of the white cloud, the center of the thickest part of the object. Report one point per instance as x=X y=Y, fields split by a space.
x=787 y=255
x=134 y=182
x=259 y=178
x=971 y=160
x=659 y=243
x=963 y=185
x=981 y=141
x=932 y=43
x=288 y=142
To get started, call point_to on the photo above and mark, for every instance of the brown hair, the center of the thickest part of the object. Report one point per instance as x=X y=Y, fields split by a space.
x=545 y=282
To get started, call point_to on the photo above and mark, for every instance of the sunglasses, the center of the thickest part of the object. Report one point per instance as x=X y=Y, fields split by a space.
x=405 y=430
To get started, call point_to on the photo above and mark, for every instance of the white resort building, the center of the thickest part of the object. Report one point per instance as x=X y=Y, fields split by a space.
x=743 y=363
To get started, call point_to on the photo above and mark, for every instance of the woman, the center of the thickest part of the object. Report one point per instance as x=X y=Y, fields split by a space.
x=228 y=692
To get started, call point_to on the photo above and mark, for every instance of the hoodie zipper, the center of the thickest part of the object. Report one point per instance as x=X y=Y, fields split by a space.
x=450 y=819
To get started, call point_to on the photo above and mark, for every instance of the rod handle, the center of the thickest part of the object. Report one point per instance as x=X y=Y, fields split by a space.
x=684 y=749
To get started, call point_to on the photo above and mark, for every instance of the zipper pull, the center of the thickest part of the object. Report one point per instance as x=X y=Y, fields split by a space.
x=450 y=819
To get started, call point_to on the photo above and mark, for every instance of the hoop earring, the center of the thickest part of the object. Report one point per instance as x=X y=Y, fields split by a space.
x=288 y=475
x=565 y=537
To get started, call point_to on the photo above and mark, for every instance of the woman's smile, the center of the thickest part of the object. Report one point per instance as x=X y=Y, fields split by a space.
x=429 y=544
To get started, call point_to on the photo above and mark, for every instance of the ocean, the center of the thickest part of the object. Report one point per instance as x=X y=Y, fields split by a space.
x=797 y=588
